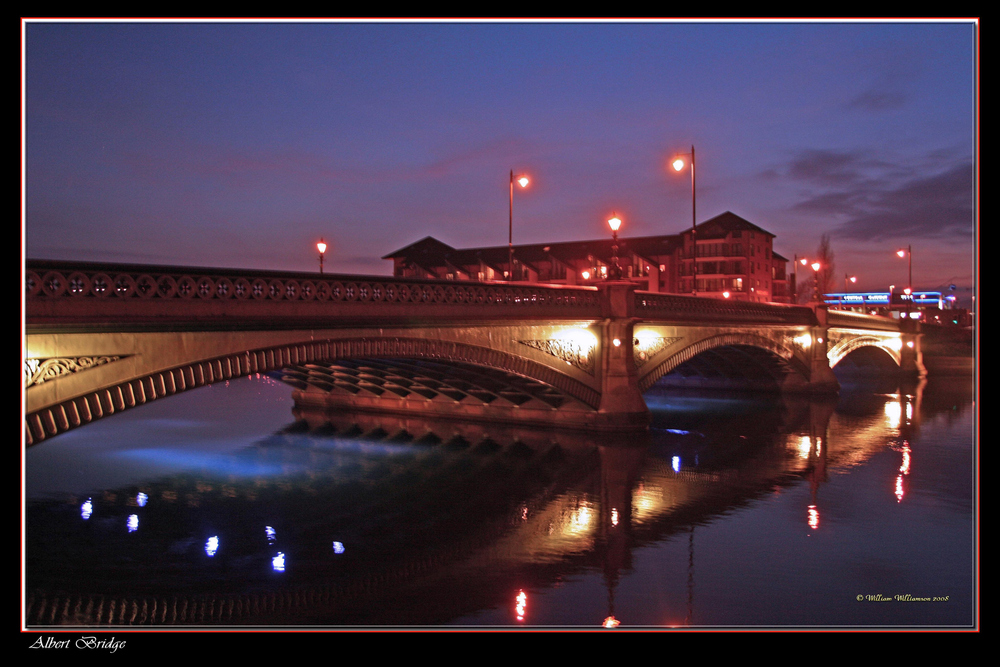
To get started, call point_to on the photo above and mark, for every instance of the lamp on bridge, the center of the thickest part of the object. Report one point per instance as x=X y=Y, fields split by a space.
x=679 y=163
x=849 y=278
x=523 y=181
x=908 y=253
x=615 y=271
x=321 y=246
x=815 y=266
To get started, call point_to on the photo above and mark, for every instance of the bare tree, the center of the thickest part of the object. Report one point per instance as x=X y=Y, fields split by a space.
x=811 y=284
x=803 y=286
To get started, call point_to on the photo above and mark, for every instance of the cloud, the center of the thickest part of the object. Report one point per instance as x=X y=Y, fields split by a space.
x=878 y=200
x=877 y=100
x=827 y=167
x=936 y=206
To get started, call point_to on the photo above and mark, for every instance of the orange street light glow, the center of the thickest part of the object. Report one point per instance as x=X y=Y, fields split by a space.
x=523 y=181
x=815 y=266
x=615 y=223
x=321 y=246
x=678 y=164
x=521 y=605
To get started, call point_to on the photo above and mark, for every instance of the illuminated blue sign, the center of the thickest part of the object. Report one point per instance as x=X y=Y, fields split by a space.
x=858 y=298
x=881 y=298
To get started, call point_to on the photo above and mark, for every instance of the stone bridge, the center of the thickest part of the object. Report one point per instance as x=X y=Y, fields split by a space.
x=99 y=339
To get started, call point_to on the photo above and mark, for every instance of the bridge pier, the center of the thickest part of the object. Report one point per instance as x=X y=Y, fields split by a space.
x=911 y=358
x=821 y=379
x=622 y=404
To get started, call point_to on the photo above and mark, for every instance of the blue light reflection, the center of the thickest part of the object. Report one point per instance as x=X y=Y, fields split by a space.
x=212 y=545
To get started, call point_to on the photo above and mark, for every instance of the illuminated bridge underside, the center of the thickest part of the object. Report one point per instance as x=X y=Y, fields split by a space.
x=733 y=366
x=102 y=339
x=453 y=389
x=846 y=345
x=733 y=359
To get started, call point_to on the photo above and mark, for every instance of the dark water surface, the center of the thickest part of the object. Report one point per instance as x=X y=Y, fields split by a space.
x=222 y=507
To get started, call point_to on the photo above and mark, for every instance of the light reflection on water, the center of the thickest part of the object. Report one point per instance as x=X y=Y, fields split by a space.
x=732 y=511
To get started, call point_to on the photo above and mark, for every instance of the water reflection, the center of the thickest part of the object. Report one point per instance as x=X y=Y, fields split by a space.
x=341 y=519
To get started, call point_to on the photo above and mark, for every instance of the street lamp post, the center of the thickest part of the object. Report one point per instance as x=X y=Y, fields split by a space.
x=795 y=279
x=852 y=280
x=815 y=266
x=321 y=246
x=523 y=182
x=908 y=253
x=679 y=164
x=615 y=272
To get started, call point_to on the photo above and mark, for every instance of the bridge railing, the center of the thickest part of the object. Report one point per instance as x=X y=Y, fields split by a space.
x=652 y=305
x=80 y=281
x=847 y=319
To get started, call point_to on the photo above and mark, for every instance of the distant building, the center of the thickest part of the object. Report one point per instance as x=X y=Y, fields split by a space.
x=735 y=260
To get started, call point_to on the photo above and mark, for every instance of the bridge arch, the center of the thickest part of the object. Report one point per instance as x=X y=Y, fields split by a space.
x=891 y=345
x=141 y=389
x=761 y=353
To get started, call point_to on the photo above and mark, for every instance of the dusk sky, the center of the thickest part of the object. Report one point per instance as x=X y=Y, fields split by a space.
x=240 y=144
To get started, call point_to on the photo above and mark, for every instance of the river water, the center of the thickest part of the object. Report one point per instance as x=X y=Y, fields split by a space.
x=224 y=506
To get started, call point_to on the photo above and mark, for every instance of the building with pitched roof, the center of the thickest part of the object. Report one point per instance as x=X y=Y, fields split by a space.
x=735 y=259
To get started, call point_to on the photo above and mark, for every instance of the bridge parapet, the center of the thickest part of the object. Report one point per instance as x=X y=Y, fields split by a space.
x=681 y=308
x=61 y=291
x=847 y=319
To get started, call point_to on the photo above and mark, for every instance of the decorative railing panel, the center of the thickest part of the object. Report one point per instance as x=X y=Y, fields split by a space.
x=71 y=280
x=842 y=318
x=651 y=306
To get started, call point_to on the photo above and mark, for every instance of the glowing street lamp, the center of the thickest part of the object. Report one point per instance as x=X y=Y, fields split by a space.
x=678 y=163
x=816 y=266
x=847 y=278
x=321 y=246
x=908 y=253
x=615 y=272
x=523 y=181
